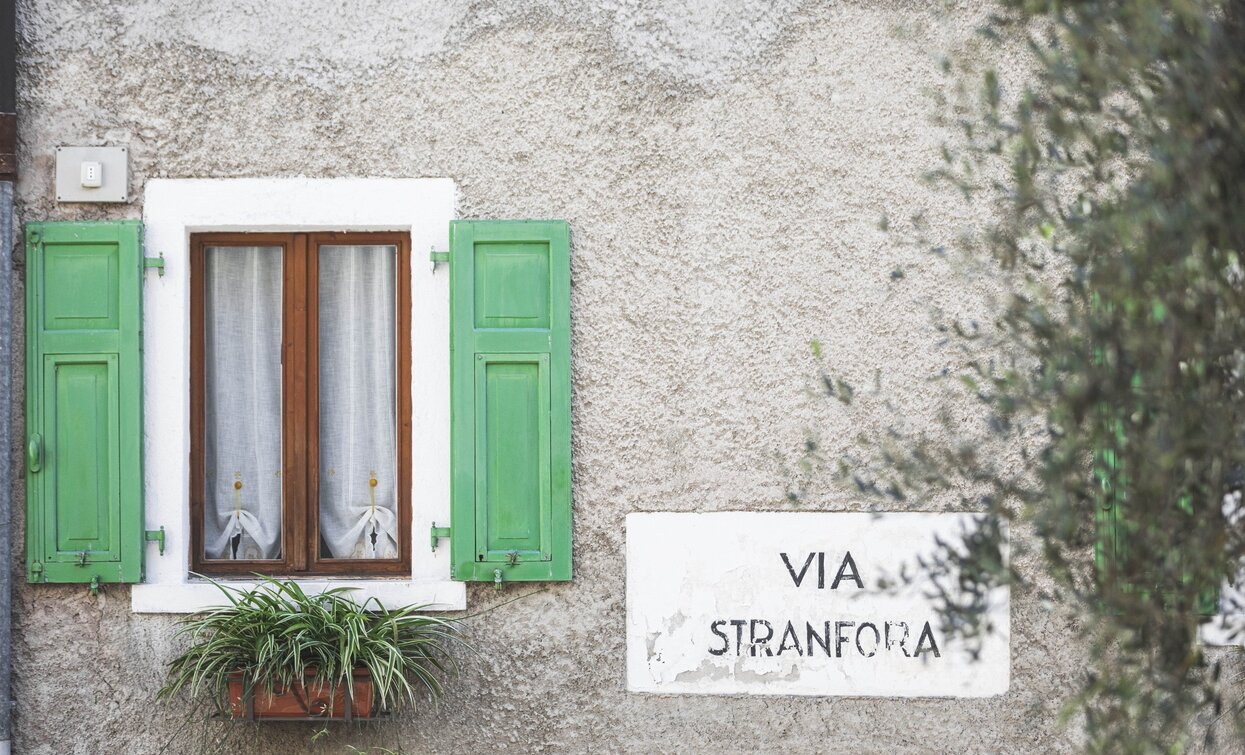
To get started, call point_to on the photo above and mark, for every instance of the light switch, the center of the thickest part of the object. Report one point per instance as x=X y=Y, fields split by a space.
x=92 y=174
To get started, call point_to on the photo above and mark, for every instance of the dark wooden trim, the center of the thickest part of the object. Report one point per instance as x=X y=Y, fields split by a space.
x=311 y=520
x=8 y=94
x=402 y=335
x=198 y=406
x=406 y=451
x=300 y=406
x=8 y=56
x=8 y=146
x=294 y=400
x=198 y=400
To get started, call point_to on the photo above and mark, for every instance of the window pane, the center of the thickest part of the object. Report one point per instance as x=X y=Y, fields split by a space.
x=358 y=412
x=242 y=320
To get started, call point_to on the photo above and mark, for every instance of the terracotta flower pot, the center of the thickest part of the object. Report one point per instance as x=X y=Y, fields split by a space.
x=304 y=699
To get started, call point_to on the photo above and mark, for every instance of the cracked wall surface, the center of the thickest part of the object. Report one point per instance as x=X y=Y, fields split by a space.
x=723 y=166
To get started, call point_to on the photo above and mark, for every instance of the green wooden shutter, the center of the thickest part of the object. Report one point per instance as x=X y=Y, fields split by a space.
x=84 y=390
x=511 y=400
x=1113 y=527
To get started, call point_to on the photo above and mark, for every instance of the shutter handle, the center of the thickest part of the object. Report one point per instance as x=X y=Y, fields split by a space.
x=34 y=453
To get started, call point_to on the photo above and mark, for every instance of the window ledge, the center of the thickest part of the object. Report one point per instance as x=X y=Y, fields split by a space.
x=192 y=596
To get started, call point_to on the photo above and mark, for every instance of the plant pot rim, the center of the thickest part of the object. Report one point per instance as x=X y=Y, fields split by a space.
x=308 y=671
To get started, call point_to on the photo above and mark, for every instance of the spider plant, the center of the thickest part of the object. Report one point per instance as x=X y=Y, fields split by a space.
x=275 y=634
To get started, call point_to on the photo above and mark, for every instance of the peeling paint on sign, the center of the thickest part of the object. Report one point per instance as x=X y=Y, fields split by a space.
x=793 y=603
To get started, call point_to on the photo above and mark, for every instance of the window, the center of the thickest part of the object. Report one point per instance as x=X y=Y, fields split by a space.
x=300 y=421
x=473 y=333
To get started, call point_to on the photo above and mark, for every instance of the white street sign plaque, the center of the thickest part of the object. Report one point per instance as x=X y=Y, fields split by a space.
x=801 y=603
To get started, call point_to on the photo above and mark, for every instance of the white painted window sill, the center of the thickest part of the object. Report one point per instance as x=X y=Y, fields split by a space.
x=195 y=595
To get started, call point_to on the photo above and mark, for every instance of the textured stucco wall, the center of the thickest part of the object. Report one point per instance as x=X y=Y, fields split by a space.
x=723 y=166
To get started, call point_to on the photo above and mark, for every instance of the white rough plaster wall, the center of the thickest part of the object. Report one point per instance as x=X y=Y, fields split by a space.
x=702 y=41
x=723 y=167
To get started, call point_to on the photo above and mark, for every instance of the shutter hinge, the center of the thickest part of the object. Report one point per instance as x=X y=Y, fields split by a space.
x=437 y=534
x=36 y=571
x=156 y=262
x=434 y=257
x=155 y=536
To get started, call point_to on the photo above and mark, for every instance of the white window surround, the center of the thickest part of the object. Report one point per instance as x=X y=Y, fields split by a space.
x=1227 y=628
x=175 y=208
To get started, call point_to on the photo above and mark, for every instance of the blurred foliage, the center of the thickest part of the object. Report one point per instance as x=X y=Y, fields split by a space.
x=1112 y=379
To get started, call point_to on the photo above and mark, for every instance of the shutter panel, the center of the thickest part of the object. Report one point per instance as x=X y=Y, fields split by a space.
x=1112 y=524
x=84 y=388
x=511 y=400
x=1113 y=527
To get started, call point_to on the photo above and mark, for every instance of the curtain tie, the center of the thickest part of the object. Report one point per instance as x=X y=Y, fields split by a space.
x=240 y=522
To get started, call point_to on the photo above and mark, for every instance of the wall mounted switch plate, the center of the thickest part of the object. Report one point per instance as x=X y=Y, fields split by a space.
x=92 y=174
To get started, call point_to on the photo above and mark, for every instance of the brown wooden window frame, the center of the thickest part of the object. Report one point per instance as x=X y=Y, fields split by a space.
x=300 y=552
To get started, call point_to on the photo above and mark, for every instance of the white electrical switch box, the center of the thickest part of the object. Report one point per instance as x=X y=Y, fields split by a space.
x=92 y=174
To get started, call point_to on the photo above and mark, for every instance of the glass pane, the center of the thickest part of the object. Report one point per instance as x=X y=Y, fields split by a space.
x=358 y=409
x=242 y=323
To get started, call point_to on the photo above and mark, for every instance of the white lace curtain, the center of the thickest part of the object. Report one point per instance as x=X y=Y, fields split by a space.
x=243 y=406
x=358 y=430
